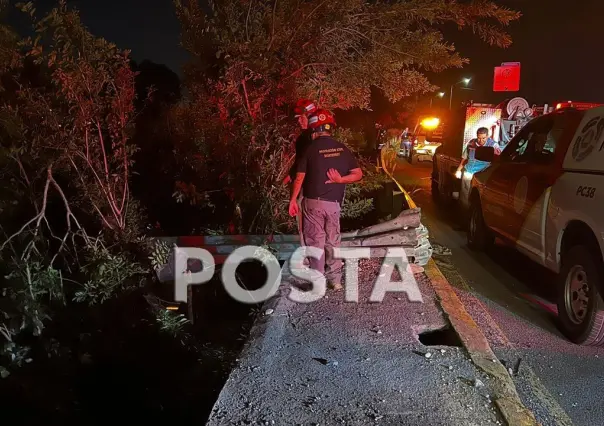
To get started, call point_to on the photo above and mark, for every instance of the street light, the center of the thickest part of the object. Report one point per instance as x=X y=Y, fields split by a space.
x=465 y=81
x=439 y=94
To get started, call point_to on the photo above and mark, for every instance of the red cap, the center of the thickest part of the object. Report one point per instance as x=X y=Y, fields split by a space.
x=305 y=106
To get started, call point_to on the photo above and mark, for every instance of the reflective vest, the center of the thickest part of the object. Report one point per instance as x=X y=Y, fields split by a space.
x=473 y=165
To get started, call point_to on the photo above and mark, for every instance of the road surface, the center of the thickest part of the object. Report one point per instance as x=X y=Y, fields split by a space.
x=512 y=300
x=335 y=362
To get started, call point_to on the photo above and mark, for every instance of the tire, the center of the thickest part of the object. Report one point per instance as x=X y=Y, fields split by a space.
x=479 y=236
x=435 y=191
x=582 y=323
x=446 y=196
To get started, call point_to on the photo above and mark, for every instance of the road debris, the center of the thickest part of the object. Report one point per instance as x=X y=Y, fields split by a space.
x=440 y=250
x=416 y=269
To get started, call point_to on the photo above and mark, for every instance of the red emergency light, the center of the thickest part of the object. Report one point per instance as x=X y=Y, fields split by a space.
x=581 y=106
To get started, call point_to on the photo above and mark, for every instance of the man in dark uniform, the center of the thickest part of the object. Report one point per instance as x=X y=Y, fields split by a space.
x=322 y=173
x=304 y=109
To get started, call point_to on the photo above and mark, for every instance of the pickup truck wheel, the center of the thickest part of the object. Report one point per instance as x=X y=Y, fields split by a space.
x=442 y=198
x=435 y=191
x=479 y=235
x=580 y=306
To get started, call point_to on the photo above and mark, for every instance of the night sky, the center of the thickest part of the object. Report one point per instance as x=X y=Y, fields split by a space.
x=557 y=42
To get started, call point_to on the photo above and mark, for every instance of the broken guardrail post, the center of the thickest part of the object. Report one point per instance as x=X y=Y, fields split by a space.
x=406 y=219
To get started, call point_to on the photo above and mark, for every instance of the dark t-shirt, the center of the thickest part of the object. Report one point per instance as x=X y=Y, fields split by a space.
x=323 y=154
x=303 y=142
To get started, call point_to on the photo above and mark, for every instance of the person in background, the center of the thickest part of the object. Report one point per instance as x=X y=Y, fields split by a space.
x=322 y=173
x=468 y=160
x=406 y=141
x=544 y=146
x=304 y=109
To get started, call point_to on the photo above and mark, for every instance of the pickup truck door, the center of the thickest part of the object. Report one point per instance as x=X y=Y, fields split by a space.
x=499 y=183
x=533 y=168
x=495 y=181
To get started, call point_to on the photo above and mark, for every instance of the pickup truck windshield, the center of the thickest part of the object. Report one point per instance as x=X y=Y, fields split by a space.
x=536 y=142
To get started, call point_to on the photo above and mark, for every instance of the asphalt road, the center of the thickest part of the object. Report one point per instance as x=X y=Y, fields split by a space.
x=333 y=362
x=512 y=299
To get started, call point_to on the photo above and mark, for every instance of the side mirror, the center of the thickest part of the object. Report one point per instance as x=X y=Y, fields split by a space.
x=485 y=153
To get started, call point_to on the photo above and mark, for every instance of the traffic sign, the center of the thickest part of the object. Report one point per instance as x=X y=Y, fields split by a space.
x=507 y=78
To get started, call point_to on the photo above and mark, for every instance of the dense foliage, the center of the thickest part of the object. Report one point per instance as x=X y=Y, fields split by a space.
x=69 y=224
x=254 y=58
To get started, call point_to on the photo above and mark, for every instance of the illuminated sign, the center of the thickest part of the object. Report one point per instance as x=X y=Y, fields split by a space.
x=507 y=78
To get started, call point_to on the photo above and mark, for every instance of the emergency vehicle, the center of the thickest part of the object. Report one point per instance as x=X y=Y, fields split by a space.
x=503 y=121
x=544 y=195
x=423 y=140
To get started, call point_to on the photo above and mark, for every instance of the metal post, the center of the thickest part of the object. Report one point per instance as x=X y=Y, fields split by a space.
x=451 y=98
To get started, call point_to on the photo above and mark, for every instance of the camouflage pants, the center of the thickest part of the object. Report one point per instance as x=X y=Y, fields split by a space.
x=321 y=229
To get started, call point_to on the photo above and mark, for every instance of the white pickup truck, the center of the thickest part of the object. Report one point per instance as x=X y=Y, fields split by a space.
x=545 y=195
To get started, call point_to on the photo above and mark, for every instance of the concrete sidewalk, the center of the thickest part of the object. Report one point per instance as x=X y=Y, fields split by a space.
x=332 y=362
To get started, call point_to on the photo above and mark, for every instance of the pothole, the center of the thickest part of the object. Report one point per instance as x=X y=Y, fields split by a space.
x=445 y=336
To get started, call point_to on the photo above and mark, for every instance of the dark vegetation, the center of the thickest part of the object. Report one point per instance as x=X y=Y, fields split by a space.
x=98 y=153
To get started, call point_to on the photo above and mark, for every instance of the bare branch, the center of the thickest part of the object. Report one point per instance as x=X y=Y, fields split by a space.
x=313 y=64
x=272 y=26
x=37 y=218
x=350 y=30
x=247 y=20
x=320 y=5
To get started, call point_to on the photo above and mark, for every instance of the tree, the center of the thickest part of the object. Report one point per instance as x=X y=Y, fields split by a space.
x=78 y=122
x=65 y=160
x=335 y=50
x=253 y=57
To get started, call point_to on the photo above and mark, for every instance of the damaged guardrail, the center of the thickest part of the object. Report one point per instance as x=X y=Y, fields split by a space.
x=404 y=231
